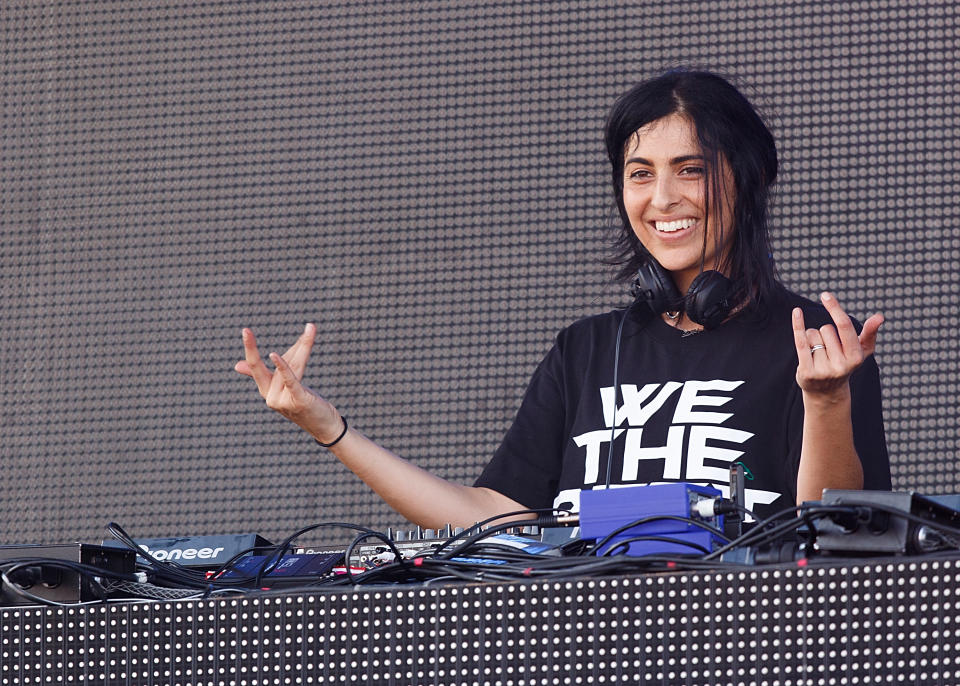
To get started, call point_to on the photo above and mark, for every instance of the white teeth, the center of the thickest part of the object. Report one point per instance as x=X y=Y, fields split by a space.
x=670 y=227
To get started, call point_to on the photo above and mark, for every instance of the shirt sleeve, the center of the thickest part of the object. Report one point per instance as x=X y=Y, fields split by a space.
x=868 y=435
x=526 y=467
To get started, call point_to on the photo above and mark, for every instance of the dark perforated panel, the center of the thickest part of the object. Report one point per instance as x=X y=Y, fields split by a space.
x=890 y=622
x=426 y=181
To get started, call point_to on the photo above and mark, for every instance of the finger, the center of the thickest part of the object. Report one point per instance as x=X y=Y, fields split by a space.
x=816 y=348
x=285 y=375
x=800 y=340
x=868 y=335
x=299 y=352
x=846 y=332
x=258 y=370
x=832 y=345
x=813 y=337
x=293 y=348
x=243 y=368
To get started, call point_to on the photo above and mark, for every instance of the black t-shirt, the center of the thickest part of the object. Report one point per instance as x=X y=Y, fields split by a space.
x=688 y=406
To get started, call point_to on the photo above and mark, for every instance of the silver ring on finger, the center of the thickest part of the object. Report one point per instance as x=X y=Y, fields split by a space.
x=815 y=348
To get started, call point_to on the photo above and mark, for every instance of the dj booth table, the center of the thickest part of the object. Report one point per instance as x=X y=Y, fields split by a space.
x=891 y=621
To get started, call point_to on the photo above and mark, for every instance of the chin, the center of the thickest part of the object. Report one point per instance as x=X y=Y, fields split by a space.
x=679 y=265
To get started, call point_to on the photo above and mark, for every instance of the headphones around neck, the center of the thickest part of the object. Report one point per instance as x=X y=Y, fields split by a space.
x=707 y=301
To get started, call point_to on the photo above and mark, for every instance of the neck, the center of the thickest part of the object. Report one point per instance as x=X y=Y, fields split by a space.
x=681 y=321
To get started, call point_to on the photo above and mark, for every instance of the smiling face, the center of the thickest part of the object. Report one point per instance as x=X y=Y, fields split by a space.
x=664 y=195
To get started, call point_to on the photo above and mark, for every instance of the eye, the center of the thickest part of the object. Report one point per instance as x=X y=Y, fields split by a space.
x=639 y=174
x=692 y=170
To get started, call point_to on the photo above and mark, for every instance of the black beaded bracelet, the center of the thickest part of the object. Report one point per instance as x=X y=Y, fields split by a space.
x=337 y=439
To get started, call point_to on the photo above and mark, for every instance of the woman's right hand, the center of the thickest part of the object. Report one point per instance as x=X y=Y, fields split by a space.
x=282 y=389
x=415 y=493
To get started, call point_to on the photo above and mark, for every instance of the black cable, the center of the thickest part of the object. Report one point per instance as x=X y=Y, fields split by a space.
x=229 y=563
x=470 y=540
x=165 y=569
x=761 y=534
x=742 y=510
x=616 y=564
x=476 y=570
x=733 y=506
x=367 y=534
x=575 y=547
x=625 y=543
x=80 y=568
x=613 y=418
x=479 y=525
x=282 y=546
x=512 y=564
x=503 y=552
x=173 y=573
x=473 y=572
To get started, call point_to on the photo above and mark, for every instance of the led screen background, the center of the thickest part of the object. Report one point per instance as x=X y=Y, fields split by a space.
x=426 y=181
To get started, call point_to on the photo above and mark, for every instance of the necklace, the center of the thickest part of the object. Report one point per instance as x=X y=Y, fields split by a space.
x=674 y=320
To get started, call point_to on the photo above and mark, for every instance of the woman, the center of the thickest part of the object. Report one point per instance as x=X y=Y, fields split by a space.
x=771 y=380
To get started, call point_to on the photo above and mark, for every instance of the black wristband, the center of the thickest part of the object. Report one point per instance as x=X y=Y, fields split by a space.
x=337 y=439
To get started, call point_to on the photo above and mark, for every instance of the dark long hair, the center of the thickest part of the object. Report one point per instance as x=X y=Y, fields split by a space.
x=728 y=128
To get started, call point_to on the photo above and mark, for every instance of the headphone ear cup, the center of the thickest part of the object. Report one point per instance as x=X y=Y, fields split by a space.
x=654 y=286
x=708 y=299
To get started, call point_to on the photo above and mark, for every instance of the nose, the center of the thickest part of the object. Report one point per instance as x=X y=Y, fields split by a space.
x=665 y=192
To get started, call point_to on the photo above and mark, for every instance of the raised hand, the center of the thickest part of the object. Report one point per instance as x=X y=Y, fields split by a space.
x=826 y=357
x=282 y=389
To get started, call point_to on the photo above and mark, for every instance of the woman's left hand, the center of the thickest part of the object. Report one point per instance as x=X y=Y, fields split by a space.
x=829 y=355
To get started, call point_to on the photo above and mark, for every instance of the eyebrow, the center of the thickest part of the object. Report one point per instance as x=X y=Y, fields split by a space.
x=675 y=160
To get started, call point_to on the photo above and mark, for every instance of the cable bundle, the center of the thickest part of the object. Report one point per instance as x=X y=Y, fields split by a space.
x=481 y=553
